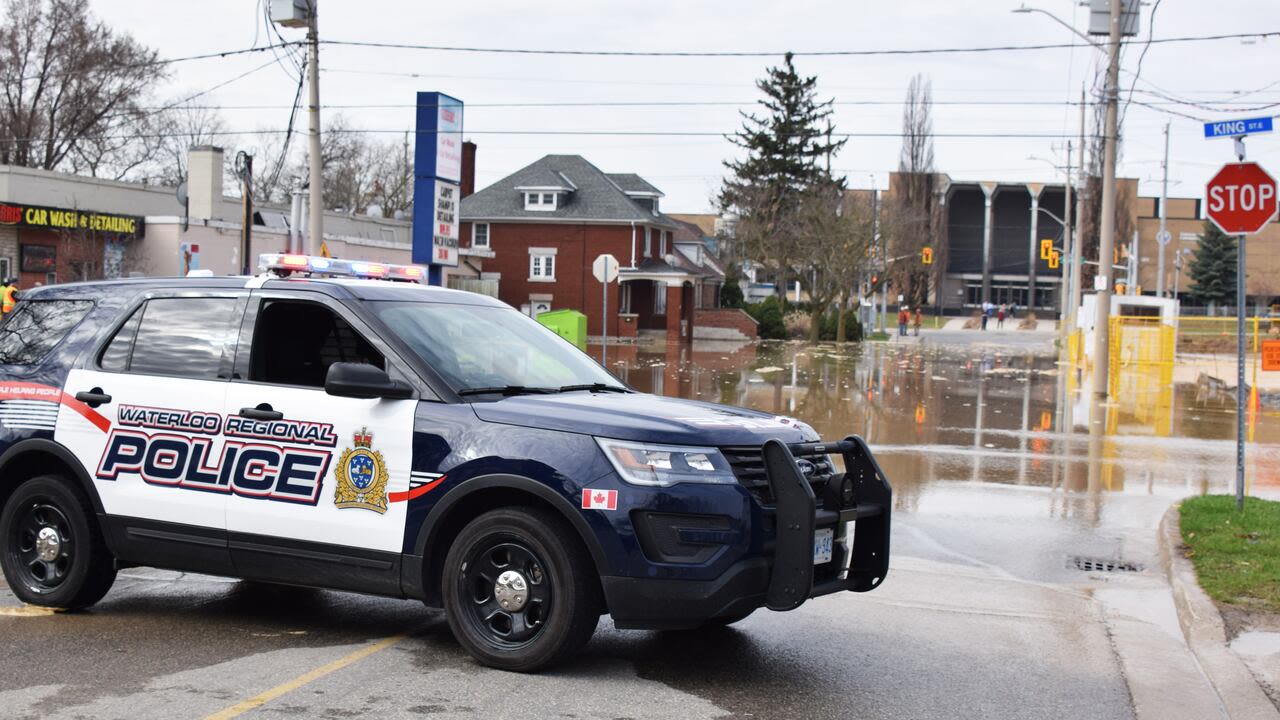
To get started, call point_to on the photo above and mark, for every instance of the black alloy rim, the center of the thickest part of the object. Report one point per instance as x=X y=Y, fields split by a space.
x=504 y=628
x=39 y=571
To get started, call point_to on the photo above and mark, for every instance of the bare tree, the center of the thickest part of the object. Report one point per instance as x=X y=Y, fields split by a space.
x=184 y=127
x=67 y=77
x=835 y=231
x=913 y=218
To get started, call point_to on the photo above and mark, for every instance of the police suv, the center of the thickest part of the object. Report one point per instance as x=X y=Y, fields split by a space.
x=313 y=426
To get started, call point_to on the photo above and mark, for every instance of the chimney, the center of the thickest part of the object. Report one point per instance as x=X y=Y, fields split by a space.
x=204 y=181
x=468 y=168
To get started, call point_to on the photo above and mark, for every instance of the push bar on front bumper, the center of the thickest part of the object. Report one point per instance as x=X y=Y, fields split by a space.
x=864 y=558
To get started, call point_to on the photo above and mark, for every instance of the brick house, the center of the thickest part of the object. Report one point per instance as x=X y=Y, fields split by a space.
x=547 y=223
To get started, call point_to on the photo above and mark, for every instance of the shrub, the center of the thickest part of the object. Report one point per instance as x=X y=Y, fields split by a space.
x=731 y=294
x=798 y=324
x=852 y=326
x=769 y=316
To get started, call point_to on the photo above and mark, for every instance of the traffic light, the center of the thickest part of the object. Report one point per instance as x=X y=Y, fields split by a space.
x=1055 y=259
x=1046 y=249
x=926 y=256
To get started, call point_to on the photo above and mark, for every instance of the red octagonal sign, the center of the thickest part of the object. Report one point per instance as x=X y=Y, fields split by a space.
x=1242 y=198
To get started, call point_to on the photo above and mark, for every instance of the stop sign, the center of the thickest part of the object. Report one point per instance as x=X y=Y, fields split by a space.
x=1242 y=198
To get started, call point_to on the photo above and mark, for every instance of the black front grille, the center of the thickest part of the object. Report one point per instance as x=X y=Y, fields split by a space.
x=748 y=467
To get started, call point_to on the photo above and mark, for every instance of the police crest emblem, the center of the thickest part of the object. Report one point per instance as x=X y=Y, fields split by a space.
x=362 y=476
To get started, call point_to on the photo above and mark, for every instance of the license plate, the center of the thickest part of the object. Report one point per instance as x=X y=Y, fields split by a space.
x=822 y=540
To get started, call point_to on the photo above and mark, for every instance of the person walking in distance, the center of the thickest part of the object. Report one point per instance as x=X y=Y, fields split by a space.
x=1000 y=313
x=916 y=320
x=903 y=319
x=986 y=314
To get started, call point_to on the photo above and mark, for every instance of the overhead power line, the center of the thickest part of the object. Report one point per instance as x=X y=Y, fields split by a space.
x=777 y=53
x=574 y=133
x=1222 y=105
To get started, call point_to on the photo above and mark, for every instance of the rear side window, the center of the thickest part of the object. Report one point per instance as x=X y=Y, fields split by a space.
x=180 y=337
x=35 y=326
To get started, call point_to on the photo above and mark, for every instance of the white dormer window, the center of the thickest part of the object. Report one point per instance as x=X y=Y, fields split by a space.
x=542 y=201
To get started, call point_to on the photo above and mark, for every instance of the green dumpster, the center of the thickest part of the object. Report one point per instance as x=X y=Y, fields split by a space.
x=568 y=324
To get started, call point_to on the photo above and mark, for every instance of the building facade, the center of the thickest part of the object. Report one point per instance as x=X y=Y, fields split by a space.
x=56 y=227
x=547 y=223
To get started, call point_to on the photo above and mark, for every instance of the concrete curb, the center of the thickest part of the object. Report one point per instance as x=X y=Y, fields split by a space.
x=1206 y=634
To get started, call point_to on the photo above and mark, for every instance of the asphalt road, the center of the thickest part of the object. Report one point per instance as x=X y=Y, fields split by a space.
x=981 y=616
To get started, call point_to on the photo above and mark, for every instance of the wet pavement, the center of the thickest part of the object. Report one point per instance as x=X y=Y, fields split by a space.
x=1025 y=579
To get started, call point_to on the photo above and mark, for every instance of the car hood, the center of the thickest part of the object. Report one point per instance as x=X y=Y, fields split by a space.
x=646 y=418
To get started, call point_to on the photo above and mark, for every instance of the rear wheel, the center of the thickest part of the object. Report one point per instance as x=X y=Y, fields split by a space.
x=53 y=553
x=519 y=589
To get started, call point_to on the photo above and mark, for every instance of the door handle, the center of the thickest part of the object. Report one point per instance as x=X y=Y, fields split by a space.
x=93 y=398
x=262 y=412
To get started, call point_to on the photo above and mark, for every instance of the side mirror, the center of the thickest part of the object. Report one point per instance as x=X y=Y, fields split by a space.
x=360 y=380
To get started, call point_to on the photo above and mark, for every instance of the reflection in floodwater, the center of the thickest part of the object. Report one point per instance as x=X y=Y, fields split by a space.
x=938 y=414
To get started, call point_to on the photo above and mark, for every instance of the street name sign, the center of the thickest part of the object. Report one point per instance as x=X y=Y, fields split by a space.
x=1242 y=198
x=1237 y=128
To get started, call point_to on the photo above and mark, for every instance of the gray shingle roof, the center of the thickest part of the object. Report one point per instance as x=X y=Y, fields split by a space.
x=631 y=182
x=598 y=195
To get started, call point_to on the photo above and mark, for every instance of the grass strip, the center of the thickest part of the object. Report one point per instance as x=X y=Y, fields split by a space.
x=1236 y=554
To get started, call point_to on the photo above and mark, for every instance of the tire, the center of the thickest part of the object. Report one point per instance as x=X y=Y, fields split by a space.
x=51 y=549
x=551 y=619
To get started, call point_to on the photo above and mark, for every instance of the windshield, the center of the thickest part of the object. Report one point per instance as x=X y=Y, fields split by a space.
x=484 y=347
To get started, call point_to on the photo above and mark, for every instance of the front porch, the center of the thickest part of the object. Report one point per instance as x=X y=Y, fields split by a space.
x=656 y=303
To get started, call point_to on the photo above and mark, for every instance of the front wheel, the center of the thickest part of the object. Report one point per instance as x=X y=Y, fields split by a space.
x=520 y=591
x=53 y=553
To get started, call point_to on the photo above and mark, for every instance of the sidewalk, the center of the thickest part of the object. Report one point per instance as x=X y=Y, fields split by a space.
x=1010 y=326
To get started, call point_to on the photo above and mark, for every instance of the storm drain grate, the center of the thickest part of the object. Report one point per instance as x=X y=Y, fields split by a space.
x=1089 y=564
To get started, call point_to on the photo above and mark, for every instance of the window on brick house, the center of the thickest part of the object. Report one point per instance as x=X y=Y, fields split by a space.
x=480 y=235
x=542 y=267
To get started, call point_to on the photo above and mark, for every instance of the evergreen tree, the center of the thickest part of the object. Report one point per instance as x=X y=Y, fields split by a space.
x=1213 y=269
x=782 y=164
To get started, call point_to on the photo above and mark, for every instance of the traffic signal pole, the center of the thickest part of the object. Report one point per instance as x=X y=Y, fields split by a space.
x=1106 y=240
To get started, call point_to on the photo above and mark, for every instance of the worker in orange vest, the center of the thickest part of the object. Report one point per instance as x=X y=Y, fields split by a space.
x=8 y=296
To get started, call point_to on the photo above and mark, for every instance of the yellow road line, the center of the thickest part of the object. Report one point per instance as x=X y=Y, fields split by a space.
x=245 y=706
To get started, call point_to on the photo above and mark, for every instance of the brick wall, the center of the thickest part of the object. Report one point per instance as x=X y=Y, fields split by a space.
x=721 y=324
x=576 y=246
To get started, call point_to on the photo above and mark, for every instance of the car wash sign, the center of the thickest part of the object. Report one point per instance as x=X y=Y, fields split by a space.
x=437 y=174
x=48 y=218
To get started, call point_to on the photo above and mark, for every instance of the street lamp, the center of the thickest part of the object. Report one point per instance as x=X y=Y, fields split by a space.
x=1071 y=272
x=1106 y=239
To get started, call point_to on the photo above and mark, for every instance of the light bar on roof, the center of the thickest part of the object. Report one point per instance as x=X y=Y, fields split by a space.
x=286 y=264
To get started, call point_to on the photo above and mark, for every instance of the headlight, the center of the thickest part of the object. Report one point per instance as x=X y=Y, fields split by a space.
x=666 y=465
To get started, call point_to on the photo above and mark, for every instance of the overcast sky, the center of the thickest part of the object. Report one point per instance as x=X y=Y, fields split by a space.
x=688 y=169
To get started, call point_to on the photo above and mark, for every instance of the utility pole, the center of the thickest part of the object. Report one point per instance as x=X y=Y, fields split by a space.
x=244 y=168
x=1161 y=240
x=1068 y=250
x=1077 y=267
x=315 y=233
x=1106 y=240
x=406 y=180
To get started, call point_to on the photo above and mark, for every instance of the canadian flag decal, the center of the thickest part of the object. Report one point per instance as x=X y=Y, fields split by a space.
x=599 y=499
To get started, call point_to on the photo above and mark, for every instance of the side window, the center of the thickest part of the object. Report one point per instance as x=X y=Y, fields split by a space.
x=184 y=337
x=115 y=358
x=35 y=326
x=295 y=342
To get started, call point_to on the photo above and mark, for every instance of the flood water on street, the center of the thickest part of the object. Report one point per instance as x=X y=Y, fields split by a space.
x=937 y=414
